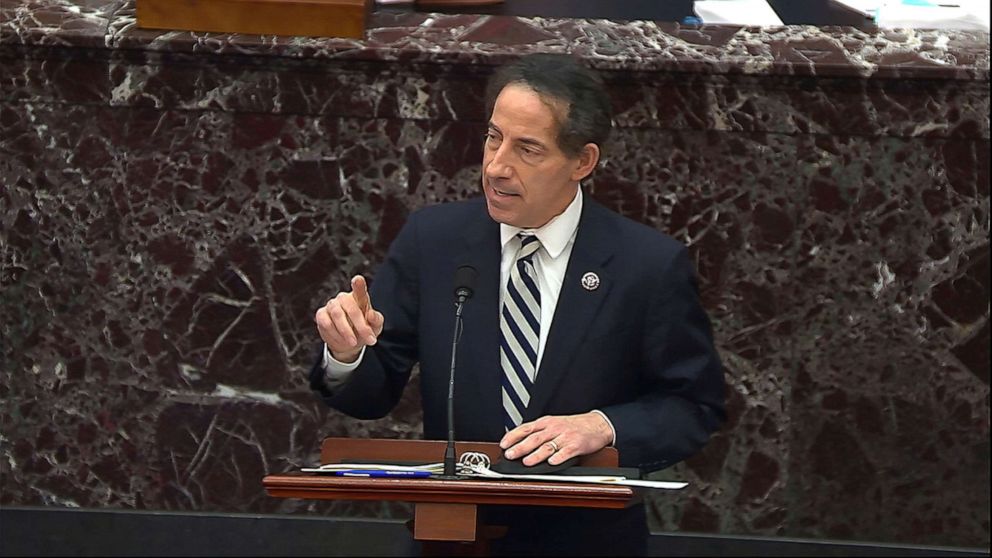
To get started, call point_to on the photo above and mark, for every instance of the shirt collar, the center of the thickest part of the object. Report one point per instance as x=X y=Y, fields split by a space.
x=556 y=233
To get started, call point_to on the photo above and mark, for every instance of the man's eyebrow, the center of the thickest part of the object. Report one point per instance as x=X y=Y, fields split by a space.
x=534 y=142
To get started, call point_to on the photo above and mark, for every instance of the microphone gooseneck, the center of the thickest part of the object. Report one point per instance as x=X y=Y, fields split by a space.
x=464 y=289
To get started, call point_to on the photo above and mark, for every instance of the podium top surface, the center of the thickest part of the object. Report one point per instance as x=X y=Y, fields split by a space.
x=468 y=491
x=434 y=490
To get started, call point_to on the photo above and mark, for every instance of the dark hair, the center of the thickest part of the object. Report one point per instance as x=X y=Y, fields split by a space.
x=560 y=78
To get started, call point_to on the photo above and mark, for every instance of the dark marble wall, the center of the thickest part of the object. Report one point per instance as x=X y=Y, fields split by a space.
x=176 y=206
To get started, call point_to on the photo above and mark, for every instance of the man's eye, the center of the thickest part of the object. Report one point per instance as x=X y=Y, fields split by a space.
x=491 y=138
x=530 y=154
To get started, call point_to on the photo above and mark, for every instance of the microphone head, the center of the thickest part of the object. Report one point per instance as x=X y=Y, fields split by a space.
x=465 y=282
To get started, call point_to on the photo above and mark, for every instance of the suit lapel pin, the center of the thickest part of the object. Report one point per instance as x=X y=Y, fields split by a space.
x=590 y=281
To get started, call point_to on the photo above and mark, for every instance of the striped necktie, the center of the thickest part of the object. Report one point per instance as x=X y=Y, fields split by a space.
x=520 y=330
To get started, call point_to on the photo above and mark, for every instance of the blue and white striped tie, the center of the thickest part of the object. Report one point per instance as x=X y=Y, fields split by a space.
x=520 y=330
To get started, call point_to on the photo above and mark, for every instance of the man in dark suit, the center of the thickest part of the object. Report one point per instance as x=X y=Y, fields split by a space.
x=585 y=329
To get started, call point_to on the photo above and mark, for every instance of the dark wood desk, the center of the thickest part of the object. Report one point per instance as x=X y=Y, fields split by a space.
x=659 y=10
x=445 y=510
x=791 y=12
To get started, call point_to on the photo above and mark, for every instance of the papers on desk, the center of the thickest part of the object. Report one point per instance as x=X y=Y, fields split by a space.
x=736 y=12
x=662 y=485
x=969 y=15
x=436 y=468
x=867 y=8
x=478 y=471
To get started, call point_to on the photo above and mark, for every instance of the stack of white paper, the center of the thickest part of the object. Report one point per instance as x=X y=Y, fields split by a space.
x=736 y=12
x=481 y=471
x=967 y=15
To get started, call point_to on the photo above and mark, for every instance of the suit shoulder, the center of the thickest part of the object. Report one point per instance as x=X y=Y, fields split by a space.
x=641 y=239
x=446 y=219
x=446 y=213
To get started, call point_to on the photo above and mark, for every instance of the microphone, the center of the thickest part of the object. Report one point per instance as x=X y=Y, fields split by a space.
x=465 y=283
x=464 y=289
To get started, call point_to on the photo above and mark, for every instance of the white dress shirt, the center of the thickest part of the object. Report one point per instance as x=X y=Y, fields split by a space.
x=557 y=238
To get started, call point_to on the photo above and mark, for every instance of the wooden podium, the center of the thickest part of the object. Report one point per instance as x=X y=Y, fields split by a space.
x=315 y=18
x=445 y=510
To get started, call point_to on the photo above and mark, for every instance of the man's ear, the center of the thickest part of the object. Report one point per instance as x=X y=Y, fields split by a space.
x=587 y=160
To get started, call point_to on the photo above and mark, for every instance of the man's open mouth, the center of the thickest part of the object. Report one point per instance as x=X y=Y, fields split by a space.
x=503 y=193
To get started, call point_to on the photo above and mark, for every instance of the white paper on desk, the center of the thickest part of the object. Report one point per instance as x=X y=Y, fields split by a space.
x=867 y=8
x=333 y=467
x=664 y=485
x=486 y=473
x=966 y=15
x=736 y=12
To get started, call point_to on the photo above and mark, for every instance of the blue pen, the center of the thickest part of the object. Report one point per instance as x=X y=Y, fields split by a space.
x=382 y=474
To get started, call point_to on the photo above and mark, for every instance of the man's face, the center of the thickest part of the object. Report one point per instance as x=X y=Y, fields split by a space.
x=526 y=177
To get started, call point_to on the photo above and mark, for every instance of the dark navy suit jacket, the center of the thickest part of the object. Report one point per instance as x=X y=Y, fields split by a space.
x=639 y=347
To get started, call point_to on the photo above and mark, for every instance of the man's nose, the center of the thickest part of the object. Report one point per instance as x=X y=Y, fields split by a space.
x=498 y=166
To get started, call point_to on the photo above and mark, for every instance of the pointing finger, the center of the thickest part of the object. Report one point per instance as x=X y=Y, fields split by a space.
x=360 y=290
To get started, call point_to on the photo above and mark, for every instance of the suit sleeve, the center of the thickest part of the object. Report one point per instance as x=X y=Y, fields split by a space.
x=375 y=387
x=681 y=377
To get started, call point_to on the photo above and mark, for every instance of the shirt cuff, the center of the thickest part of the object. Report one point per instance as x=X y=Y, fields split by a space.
x=337 y=372
x=607 y=419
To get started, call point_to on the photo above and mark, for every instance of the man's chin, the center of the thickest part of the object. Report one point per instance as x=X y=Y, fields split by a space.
x=500 y=216
x=495 y=214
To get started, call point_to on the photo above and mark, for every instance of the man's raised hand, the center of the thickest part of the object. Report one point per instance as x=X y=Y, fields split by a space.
x=348 y=323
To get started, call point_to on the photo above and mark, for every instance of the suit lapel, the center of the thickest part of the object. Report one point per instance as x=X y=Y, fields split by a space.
x=478 y=372
x=577 y=306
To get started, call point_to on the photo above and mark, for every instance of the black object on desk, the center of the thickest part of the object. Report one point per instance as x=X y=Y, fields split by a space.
x=659 y=10
x=791 y=12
